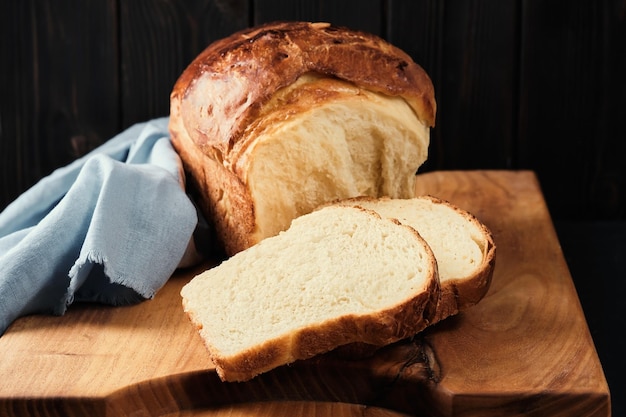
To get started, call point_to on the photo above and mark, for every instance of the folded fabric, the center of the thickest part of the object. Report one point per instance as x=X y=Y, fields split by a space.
x=111 y=227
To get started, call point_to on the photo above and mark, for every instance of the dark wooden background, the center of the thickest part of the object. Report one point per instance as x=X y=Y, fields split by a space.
x=520 y=84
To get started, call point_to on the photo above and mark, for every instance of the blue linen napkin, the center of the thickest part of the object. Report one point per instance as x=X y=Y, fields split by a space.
x=111 y=227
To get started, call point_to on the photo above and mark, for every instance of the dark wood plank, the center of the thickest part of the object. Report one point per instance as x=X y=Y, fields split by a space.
x=520 y=83
x=417 y=28
x=476 y=84
x=159 y=39
x=573 y=103
x=59 y=86
x=364 y=15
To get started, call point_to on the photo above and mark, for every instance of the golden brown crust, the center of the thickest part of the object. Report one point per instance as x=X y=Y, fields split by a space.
x=221 y=193
x=240 y=73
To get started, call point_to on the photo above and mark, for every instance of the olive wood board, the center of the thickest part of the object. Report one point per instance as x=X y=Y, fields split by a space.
x=525 y=349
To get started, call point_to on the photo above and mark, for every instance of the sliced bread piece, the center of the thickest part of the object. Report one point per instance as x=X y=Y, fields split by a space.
x=338 y=275
x=463 y=246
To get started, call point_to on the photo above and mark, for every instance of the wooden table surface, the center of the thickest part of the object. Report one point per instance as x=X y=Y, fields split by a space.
x=524 y=350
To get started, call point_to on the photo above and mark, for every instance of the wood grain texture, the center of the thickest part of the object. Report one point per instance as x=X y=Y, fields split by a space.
x=417 y=27
x=356 y=14
x=572 y=104
x=477 y=89
x=291 y=408
x=158 y=41
x=58 y=86
x=532 y=317
x=525 y=349
x=521 y=84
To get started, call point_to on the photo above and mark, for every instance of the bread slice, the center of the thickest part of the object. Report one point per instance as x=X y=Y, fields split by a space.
x=463 y=246
x=338 y=275
x=275 y=120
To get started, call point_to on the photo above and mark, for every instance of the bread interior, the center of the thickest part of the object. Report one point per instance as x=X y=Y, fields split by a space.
x=458 y=243
x=335 y=264
x=321 y=139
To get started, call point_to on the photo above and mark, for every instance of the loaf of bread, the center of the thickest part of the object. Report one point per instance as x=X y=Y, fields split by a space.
x=462 y=245
x=338 y=275
x=275 y=120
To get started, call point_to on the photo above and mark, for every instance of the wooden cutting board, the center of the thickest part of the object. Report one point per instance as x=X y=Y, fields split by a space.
x=524 y=350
